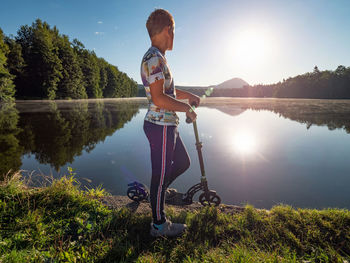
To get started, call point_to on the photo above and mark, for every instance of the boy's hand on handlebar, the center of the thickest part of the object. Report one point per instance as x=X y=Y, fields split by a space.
x=194 y=100
x=191 y=114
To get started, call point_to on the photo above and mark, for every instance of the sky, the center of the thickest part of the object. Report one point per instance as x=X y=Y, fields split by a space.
x=262 y=42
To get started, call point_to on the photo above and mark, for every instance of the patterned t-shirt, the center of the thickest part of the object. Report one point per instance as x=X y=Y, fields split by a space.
x=154 y=67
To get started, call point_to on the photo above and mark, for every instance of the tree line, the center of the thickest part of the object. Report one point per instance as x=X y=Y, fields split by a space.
x=41 y=63
x=318 y=84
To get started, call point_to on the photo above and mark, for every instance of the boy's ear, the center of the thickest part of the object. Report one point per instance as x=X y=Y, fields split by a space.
x=170 y=30
x=167 y=28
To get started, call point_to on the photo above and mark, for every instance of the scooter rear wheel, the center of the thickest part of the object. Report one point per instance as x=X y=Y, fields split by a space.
x=136 y=194
x=209 y=199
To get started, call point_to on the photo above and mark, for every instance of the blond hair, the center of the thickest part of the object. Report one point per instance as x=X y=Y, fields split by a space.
x=157 y=20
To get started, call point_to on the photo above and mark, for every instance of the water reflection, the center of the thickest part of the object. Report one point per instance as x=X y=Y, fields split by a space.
x=335 y=114
x=57 y=132
x=10 y=148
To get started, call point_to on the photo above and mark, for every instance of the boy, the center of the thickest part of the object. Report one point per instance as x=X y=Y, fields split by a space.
x=168 y=154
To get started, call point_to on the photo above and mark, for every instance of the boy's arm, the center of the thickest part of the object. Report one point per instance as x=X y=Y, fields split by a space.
x=192 y=98
x=181 y=94
x=164 y=101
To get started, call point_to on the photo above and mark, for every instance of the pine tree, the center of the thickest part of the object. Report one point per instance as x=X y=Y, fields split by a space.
x=91 y=73
x=71 y=85
x=111 y=90
x=15 y=61
x=102 y=64
x=7 y=90
x=43 y=70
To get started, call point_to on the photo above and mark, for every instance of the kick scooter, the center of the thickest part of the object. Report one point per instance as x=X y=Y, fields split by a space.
x=138 y=192
x=208 y=197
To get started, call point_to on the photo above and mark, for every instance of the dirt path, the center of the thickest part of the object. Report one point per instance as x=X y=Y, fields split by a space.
x=117 y=201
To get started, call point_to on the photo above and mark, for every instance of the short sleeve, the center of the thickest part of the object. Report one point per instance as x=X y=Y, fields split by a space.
x=155 y=69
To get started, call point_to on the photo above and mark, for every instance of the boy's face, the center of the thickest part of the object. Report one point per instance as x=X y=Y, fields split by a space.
x=167 y=36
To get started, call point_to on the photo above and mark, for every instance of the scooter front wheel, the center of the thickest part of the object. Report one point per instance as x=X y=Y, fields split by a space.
x=209 y=199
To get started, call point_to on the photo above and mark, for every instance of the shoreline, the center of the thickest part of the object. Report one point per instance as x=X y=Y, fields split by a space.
x=144 y=99
x=144 y=207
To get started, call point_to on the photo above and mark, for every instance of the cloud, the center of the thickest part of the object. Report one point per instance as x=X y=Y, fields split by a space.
x=99 y=22
x=99 y=33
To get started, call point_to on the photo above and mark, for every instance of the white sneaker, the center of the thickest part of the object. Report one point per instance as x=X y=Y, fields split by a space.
x=168 y=229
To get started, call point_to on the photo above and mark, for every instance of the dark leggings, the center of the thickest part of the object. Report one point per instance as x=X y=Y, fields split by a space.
x=169 y=159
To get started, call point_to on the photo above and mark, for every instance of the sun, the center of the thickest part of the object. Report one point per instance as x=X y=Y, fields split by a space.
x=250 y=47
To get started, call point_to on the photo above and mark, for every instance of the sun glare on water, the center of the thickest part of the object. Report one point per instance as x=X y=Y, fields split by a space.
x=244 y=142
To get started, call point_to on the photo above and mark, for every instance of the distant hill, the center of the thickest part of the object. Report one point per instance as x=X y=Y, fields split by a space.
x=235 y=83
x=225 y=89
x=193 y=87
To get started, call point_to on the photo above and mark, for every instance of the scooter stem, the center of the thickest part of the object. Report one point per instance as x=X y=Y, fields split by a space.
x=199 y=147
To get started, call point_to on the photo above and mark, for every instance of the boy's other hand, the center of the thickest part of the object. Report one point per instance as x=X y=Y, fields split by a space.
x=194 y=100
x=191 y=114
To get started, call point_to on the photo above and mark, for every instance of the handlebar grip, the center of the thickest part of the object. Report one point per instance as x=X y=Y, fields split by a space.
x=188 y=119
x=194 y=105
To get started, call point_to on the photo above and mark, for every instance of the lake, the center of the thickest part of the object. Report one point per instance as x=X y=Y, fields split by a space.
x=258 y=151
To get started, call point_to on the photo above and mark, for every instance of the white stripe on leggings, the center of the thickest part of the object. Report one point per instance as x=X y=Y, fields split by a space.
x=162 y=171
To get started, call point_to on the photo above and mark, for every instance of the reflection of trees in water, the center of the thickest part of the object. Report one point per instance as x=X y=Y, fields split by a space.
x=309 y=115
x=331 y=113
x=60 y=133
x=10 y=149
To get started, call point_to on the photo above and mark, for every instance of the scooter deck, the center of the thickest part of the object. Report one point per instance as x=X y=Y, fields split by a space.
x=171 y=196
x=177 y=199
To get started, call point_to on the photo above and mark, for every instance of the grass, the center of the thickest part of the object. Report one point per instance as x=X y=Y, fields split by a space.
x=59 y=222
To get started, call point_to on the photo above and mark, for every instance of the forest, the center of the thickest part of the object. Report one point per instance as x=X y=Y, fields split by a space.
x=41 y=63
x=318 y=84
